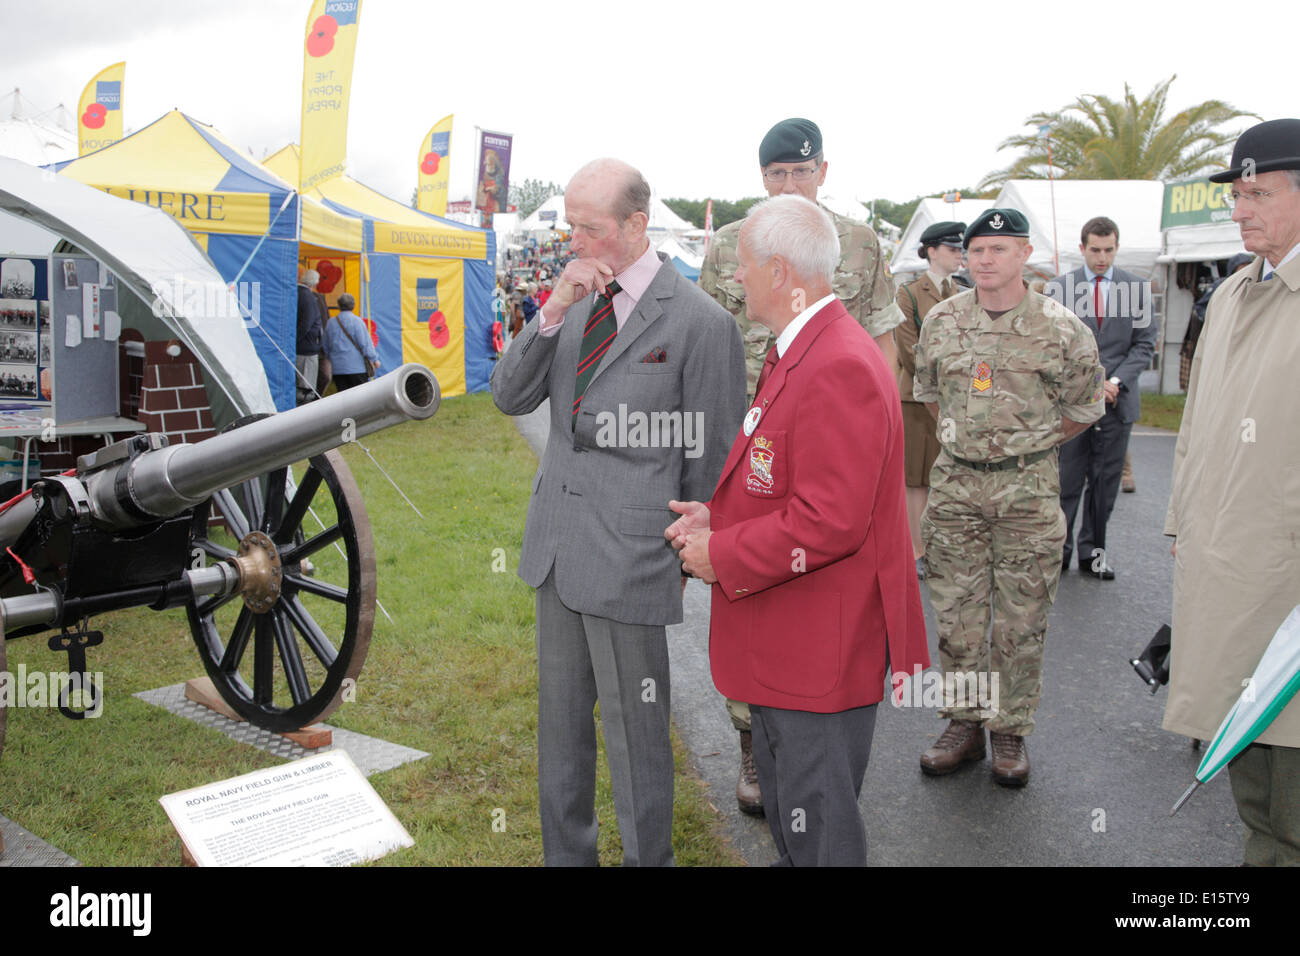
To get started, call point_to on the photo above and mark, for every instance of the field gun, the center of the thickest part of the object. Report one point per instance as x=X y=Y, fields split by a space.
x=259 y=533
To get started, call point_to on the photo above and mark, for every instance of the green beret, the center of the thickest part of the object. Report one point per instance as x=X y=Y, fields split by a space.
x=943 y=233
x=998 y=222
x=790 y=141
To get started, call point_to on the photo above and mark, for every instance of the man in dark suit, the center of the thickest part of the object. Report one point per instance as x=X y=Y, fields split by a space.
x=1116 y=306
x=805 y=540
x=646 y=380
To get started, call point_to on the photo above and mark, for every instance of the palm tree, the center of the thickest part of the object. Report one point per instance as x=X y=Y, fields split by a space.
x=1096 y=137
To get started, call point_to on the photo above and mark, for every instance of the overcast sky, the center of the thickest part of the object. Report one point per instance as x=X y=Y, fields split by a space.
x=910 y=101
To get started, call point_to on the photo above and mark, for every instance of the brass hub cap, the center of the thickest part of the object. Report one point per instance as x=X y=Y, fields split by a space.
x=258 y=562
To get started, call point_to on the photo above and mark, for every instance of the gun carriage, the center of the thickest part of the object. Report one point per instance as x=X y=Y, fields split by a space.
x=259 y=533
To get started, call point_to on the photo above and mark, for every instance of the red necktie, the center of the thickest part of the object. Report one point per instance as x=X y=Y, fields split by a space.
x=1097 y=307
x=769 y=363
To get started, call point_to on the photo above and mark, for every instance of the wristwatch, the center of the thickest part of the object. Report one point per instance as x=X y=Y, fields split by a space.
x=1114 y=380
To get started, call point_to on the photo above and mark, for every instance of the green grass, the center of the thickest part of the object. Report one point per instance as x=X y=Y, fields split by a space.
x=1162 y=411
x=453 y=675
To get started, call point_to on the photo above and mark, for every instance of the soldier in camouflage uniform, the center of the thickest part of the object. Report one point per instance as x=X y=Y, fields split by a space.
x=1014 y=374
x=793 y=149
x=790 y=161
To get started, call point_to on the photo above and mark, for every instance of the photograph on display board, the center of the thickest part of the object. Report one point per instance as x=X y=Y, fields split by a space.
x=69 y=274
x=18 y=314
x=17 y=381
x=44 y=358
x=18 y=347
x=17 y=279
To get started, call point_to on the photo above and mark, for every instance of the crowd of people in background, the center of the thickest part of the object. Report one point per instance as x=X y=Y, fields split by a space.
x=525 y=285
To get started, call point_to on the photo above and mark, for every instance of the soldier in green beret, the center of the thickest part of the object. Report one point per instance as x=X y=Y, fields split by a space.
x=1011 y=375
x=790 y=160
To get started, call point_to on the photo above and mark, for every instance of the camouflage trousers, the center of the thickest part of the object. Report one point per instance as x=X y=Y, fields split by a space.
x=993 y=551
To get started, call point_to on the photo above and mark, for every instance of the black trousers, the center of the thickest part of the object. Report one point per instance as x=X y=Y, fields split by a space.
x=1094 y=458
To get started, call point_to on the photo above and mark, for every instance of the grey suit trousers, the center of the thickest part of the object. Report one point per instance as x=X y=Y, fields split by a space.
x=810 y=770
x=581 y=657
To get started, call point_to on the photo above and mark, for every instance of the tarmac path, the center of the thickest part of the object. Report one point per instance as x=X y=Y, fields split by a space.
x=1104 y=775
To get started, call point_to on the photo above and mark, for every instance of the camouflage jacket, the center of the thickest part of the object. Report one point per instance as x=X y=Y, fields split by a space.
x=862 y=282
x=1002 y=385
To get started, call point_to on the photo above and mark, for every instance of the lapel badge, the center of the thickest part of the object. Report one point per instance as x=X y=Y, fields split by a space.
x=983 y=378
x=751 y=420
x=761 y=456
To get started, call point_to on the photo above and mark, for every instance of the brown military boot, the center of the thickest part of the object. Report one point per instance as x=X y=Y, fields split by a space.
x=1010 y=759
x=963 y=740
x=1126 y=481
x=748 y=797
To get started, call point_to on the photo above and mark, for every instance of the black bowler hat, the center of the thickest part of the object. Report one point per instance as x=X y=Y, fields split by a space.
x=943 y=234
x=790 y=141
x=998 y=222
x=1272 y=145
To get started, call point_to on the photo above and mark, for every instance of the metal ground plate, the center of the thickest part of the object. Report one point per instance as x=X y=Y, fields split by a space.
x=25 y=848
x=370 y=754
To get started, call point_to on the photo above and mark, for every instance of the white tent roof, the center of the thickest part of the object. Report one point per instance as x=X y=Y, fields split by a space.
x=845 y=207
x=535 y=222
x=1211 y=240
x=154 y=257
x=35 y=143
x=36 y=138
x=662 y=219
x=1134 y=204
x=671 y=247
x=927 y=214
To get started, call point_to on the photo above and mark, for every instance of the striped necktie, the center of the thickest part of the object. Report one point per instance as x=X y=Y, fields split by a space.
x=597 y=337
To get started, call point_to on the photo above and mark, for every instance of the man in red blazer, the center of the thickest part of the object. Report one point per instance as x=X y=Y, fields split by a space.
x=806 y=543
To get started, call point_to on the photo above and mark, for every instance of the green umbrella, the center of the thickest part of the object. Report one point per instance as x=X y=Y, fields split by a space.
x=1270 y=688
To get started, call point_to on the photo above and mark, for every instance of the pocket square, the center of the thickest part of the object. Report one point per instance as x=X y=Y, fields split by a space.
x=655 y=356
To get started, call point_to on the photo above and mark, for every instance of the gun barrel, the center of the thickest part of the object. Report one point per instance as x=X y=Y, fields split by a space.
x=167 y=481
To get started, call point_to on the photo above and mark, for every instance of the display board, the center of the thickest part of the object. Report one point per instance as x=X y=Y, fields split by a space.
x=84 y=329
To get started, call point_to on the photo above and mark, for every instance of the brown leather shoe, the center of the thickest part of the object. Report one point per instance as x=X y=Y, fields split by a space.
x=748 y=797
x=1010 y=759
x=961 y=741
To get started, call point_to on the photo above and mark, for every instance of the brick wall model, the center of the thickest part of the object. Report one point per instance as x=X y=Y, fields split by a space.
x=164 y=392
x=173 y=399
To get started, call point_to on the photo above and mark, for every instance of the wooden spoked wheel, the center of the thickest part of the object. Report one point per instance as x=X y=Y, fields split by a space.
x=287 y=656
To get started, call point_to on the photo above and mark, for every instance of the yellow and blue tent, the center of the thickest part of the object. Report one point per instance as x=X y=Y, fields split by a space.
x=246 y=219
x=426 y=282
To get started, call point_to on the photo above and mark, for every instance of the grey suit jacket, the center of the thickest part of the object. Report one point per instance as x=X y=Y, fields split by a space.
x=1128 y=332
x=656 y=424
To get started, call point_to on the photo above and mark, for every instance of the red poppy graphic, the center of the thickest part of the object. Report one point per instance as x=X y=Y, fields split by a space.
x=321 y=39
x=93 y=118
x=330 y=274
x=430 y=164
x=439 y=337
x=372 y=329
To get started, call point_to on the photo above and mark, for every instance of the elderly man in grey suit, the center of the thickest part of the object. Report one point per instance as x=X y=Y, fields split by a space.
x=646 y=380
x=1116 y=306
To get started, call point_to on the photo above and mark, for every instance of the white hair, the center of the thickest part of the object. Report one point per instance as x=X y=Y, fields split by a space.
x=798 y=231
